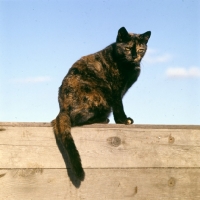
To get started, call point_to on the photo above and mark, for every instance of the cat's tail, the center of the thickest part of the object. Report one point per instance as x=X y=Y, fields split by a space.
x=62 y=129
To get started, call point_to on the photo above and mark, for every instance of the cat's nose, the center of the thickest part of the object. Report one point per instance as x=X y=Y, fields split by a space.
x=134 y=56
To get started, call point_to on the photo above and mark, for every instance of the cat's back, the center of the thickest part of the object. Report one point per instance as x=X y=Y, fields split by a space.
x=87 y=68
x=89 y=63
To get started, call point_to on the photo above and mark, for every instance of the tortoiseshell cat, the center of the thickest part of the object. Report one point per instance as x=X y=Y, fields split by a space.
x=95 y=86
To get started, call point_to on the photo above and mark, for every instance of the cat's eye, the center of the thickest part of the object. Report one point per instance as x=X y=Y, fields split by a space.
x=141 y=51
x=127 y=49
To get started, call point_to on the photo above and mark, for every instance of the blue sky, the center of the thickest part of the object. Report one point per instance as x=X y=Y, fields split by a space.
x=40 y=40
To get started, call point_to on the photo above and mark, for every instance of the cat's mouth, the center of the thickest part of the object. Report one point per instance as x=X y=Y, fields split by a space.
x=137 y=67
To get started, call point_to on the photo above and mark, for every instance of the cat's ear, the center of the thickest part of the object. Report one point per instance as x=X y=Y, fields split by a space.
x=145 y=36
x=123 y=35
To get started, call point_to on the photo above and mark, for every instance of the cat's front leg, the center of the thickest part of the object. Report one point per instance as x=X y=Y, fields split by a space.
x=119 y=114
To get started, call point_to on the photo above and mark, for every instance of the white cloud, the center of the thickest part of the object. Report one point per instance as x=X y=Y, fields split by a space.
x=37 y=79
x=153 y=56
x=180 y=72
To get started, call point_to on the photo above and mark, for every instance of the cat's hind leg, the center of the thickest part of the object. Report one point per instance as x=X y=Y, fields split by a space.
x=89 y=116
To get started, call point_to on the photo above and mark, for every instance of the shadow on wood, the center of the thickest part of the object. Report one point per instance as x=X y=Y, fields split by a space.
x=75 y=181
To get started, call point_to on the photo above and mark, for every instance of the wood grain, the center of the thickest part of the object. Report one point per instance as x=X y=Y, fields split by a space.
x=112 y=184
x=143 y=126
x=22 y=147
x=143 y=162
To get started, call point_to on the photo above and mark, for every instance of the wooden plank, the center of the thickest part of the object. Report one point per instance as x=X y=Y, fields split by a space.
x=25 y=124
x=143 y=126
x=110 y=184
x=143 y=162
x=103 y=147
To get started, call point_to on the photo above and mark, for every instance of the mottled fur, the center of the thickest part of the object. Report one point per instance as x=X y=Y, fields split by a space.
x=95 y=85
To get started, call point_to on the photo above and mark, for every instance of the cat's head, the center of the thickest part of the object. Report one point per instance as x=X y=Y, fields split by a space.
x=131 y=47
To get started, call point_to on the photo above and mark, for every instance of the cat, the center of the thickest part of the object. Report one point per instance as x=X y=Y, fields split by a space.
x=94 y=86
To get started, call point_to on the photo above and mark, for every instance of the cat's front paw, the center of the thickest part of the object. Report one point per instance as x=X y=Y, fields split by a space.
x=106 y=121
x=129 y=121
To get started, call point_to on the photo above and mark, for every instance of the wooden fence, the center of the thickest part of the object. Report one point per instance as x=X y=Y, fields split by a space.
x=142 y=162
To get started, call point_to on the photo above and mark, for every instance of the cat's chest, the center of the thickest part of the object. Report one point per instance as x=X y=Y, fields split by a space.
x=129 y=79
x=131 y=76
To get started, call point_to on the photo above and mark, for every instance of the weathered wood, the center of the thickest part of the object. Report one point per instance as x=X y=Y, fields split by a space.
x=23 y=147
x=126 y=184
x=143 y=126
x=145 y=162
